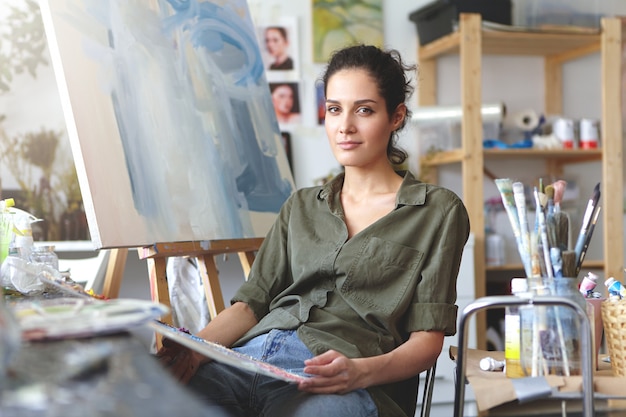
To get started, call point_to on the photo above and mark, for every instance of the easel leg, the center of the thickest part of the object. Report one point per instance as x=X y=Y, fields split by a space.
x=246 y=259
x=115 y=272
x=211 y=284
x=159 y=290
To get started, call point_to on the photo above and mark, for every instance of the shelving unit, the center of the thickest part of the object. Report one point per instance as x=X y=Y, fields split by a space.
x=471 y=41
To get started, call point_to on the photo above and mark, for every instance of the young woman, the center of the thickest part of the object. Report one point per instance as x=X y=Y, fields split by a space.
x=355 y=284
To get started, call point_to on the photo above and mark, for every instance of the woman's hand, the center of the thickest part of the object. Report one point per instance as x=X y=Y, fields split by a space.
x=332 y=373
x=182 y=362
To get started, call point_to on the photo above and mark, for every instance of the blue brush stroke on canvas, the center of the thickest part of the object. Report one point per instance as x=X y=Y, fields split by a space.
x=193 y=112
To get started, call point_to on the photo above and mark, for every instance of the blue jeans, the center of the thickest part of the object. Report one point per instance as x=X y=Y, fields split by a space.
x=239 y=393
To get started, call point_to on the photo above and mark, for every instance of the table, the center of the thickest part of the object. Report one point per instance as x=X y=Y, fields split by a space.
x=102 y=376
x=495 y=389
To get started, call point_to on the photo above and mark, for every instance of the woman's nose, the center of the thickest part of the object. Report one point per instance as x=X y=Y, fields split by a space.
x=346 y=125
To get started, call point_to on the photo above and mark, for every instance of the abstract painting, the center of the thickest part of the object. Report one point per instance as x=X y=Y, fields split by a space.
x=339 y=23
x=170 y=119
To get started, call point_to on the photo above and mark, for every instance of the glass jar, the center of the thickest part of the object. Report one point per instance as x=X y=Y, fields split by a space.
x=45 y=255
x=551 y=335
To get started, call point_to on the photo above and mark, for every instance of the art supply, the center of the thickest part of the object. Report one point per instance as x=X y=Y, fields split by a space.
x=594 y=220
x=505 y=186
x=588 y=284
x=490 y=364
x=520 y=204
x=589 y=134
x=586 y=223
x=615 y=287
x=563 y=129
x=512 y=331
x=569 y=263
x=557 y=261
x=543 y=233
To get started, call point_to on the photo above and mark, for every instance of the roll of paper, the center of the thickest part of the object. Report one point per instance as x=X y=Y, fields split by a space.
x=428 y=114
x=525 y=120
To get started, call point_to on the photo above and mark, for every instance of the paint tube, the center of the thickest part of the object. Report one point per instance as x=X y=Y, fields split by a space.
x=615 y=288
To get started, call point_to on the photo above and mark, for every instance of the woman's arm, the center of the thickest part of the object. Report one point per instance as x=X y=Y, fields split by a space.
x=229 y=325
x=226 y=328
x=335 y=373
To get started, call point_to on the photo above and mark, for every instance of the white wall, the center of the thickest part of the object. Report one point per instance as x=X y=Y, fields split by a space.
x=515 y=81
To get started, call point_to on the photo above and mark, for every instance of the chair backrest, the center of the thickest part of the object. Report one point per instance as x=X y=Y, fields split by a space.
x=427 y=393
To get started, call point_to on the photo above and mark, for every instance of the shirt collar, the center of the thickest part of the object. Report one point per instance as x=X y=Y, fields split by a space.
x=411 y=193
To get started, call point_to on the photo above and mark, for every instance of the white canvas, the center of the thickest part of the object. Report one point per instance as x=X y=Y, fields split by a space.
x=170 y=119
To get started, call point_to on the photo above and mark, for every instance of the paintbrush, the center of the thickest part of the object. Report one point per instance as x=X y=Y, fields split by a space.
x=505 y=186
x=520 y=204
x=587 y=218
x=559 y=191
x=550 y=223
x=568 y=258
x=543 y=235
x=594 y=220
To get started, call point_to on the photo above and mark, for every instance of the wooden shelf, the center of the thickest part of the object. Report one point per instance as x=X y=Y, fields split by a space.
x=517 y=43
x=562 y=155
x=471 y=42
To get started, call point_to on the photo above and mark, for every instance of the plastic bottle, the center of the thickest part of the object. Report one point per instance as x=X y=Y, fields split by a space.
x=615 y=287
x=494 y=249
x=512 y=331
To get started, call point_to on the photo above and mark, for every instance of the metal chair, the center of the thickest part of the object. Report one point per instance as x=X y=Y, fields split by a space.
x=491 y=302
x=427 y=393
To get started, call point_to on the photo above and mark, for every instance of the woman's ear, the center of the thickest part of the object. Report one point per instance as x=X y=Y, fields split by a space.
x=398 y=116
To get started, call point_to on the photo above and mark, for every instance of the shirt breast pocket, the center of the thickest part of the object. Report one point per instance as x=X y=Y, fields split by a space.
x=383 y=276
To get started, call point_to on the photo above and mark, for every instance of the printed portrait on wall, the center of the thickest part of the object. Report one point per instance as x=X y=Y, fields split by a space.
x=286 y=101
x=279 y=46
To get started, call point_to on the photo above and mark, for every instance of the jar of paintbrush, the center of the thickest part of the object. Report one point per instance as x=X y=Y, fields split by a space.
x=551 y=335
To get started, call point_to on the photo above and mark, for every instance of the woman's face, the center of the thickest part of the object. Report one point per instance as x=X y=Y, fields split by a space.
x=274 y=41
x=357 y=123
x=282 y=97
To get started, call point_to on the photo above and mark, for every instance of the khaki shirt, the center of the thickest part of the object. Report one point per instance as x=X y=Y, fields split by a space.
x=361 y=296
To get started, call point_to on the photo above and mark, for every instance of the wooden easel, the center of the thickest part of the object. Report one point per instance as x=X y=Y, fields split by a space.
x=204 y=252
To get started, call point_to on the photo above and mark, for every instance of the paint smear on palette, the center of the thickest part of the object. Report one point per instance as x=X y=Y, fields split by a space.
x=171 y=98
x=223 y=354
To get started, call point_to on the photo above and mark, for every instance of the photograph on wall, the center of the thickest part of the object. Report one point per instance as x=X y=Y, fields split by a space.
x=320 y=103
x=171 y=121
x=279 y=47
x=341 y=23
x=286 y=101
x=36 y=165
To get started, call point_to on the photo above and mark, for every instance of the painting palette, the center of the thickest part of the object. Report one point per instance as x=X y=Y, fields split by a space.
x=61 y=318
x=223 y=354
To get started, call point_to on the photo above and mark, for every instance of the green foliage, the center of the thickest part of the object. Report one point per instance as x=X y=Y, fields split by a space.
x=22 y=43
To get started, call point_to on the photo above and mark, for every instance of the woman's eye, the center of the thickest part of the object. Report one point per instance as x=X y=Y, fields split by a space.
x=364 y=110
x=332 y=109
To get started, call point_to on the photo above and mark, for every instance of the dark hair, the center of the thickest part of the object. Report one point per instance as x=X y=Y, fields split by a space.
x=295 y=108
x=281 y=30
x=389 y=71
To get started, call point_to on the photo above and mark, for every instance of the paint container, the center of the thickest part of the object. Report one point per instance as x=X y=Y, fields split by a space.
x=563 y=129
x=513 y=329
x=588 y=284
x=589 y=134
x=551 y=339
x=615 y=287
